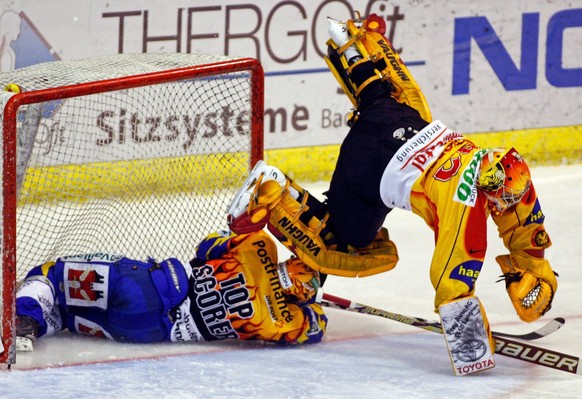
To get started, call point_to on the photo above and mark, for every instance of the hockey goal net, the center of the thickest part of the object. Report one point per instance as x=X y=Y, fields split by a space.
x=128 y=154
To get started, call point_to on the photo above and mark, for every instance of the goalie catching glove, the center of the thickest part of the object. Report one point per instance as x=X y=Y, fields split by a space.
x=530 y=282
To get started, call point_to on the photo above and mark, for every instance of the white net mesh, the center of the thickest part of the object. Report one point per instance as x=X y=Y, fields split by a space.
x=146 y=171
x=64 y=73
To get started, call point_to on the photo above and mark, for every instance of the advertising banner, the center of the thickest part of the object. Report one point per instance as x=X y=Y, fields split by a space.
x=484 y=66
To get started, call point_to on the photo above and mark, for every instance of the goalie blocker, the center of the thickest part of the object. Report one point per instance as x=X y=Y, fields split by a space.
x=298 y=221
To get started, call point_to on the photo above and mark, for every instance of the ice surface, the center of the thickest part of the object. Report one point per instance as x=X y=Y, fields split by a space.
x=362 y=356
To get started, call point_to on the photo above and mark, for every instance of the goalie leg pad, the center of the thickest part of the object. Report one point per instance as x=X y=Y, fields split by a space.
x=312 y=243
x=376 y=48
x=530 y=283
x=296 y=219
x=338 y=66
x=467 y=335
x=392 y=68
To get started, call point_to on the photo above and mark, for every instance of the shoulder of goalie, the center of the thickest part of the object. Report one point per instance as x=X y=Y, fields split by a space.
x=467 y=335
x=298 y=221
x=530 y=283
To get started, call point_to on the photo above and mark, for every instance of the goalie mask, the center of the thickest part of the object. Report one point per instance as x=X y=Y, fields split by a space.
x=504 y=177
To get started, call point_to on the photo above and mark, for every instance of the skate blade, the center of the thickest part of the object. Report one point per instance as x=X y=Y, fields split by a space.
x=235 y=208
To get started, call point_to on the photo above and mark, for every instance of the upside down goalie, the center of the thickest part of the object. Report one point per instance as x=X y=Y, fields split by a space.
x=396 y=156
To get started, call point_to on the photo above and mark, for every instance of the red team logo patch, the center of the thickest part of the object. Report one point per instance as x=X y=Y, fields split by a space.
x=83 y=329
x=86 y=284
x=87 y=327
x=81 y=284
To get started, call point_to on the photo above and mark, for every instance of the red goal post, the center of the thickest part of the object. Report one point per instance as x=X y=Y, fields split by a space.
x=129 y=154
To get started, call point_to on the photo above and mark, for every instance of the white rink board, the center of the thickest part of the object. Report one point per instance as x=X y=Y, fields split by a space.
x=477 y=67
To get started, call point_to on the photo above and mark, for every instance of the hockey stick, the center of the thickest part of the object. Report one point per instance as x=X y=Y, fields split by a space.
x=505 y=346
x=431 y=325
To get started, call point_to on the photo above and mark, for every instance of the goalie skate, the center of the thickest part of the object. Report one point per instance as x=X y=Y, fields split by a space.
x=243 y=214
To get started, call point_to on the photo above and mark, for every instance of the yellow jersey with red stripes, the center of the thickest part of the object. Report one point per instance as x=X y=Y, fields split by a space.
x=239 y=290
x=438 y=169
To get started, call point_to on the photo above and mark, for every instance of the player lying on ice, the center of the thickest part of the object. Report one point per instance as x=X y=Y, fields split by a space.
x=396 y=156
x=234 y=288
